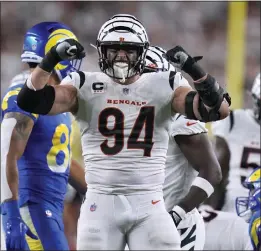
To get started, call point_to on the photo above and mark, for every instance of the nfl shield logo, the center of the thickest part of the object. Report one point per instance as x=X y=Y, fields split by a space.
x=93 y=207
x=126 y=91
x=34 y=46
x=48 y=213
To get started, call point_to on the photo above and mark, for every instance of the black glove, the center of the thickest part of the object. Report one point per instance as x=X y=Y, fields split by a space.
x=180 y=59
x=67 y=49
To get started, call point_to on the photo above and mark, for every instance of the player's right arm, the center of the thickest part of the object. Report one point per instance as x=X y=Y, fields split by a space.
x=15 y=131
x=38 y=97
x=194 y=146
x=220 y=130
x=16 y=128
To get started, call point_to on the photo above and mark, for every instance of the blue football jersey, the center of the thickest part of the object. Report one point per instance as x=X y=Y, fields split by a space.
x=255 y=230
x=44 y=165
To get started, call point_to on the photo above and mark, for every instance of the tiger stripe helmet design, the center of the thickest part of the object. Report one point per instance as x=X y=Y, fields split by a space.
x=122 y=29
x=155 y=61
x=39 y=39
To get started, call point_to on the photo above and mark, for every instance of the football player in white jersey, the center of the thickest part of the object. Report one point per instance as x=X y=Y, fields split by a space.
x=182 y=166
x=124 y=125
x=224 y=230
x=237 y=143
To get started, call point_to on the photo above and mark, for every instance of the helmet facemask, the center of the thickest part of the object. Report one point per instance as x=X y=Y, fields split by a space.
x=122 y=32
x=242 y=208
x=64 y=68
x=120 y=66
x=246 y=206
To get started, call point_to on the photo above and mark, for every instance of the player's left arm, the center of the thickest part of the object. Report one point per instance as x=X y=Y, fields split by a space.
x=198 y=151
x=209 y=102
x=77 y=177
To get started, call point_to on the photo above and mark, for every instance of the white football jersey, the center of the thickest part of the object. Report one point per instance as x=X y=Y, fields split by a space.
x=242 y=134
x=224 y=230
x=124 y=130
x=179 y=173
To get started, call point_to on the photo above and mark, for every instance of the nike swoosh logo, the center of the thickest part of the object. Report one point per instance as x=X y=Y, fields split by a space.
x=191 y=123
x=153 y=202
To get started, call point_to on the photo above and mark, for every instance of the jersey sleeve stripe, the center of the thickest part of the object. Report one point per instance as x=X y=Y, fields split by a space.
x=171 y=79
x=231 y=116
x=178 y=116
x=82 y=78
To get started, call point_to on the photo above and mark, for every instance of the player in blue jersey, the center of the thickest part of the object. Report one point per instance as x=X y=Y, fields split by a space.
x=250 y=207
x=36 y=154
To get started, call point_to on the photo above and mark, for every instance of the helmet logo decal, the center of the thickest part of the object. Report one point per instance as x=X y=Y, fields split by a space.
x=34 y=47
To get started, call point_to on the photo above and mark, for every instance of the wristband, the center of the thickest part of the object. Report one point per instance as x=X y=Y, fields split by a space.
x=204 y=185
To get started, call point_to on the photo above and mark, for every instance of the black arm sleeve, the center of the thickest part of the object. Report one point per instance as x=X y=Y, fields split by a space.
x=211 y=93
x=39 y=102
x=207 y=116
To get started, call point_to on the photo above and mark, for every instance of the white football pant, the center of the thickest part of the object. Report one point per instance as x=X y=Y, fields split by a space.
x=109 y=222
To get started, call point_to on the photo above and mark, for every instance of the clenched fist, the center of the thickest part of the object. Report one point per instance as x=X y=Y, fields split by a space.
x=69 y=49
x=179 y=58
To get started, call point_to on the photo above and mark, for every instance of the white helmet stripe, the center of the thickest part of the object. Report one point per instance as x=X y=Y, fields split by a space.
x=123 y=23
x=126 y=16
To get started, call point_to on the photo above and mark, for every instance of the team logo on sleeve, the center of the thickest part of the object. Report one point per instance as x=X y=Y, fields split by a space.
x=98 y=87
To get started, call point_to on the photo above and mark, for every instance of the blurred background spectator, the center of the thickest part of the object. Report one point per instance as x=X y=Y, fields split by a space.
x=200 y=27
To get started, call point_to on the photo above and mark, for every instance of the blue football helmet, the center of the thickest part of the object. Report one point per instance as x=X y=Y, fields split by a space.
x=39 y=39
x=246 y=206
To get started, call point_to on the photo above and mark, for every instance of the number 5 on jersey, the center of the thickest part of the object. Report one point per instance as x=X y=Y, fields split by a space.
x=144 y=120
